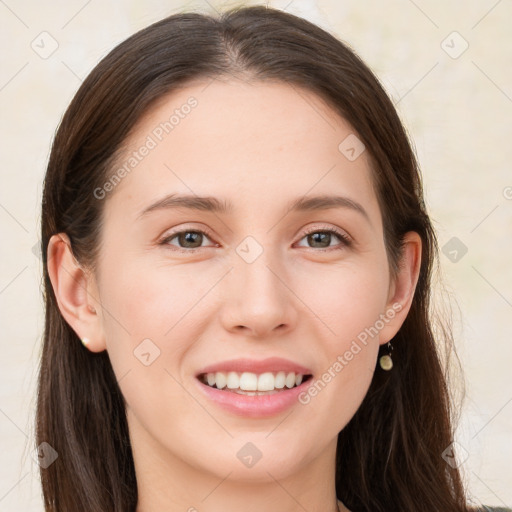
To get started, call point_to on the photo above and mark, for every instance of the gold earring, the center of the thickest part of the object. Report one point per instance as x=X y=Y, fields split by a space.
x=385 y=361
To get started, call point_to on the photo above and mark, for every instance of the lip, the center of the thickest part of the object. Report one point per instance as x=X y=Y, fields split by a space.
x=271 y=364
x=257 y=406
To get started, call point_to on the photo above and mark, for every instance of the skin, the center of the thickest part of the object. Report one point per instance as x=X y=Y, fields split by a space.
x=258 y=145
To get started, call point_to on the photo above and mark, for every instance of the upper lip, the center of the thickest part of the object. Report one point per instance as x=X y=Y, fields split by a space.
x=271 y=364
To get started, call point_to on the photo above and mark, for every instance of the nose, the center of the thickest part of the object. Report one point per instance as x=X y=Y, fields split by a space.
x=259 y=299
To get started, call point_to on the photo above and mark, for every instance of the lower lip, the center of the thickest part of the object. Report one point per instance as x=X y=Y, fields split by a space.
x=255 y=406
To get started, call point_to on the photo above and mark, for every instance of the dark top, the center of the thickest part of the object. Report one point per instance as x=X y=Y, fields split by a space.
x=495 y=509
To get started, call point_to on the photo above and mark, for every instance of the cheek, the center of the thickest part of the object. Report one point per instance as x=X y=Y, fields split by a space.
x=153 y=317
x=345 y=299
x=348 y=302
x=146 y=326
x=151 y=301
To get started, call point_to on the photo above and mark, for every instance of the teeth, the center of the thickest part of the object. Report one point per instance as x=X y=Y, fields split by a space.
x=232 y=380
x=252 y=382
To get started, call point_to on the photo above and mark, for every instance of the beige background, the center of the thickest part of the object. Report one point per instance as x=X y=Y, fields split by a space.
x=457 y=110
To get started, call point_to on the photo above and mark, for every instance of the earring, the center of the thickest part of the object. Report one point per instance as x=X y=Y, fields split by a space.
x=385 y=361
x=85 y=341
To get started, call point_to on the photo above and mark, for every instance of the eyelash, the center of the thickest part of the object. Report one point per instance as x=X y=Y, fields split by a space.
x=345 y=239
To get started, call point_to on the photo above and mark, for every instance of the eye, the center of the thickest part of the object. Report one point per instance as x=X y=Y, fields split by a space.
x=189 y=239
x=321 y=238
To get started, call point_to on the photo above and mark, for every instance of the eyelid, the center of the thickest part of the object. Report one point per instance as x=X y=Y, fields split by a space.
x=327 y=227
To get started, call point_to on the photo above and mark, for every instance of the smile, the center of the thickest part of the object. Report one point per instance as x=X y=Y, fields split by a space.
x=254 y=403
x=252 y=384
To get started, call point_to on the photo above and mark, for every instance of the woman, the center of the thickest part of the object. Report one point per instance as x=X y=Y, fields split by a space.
x=252 y=369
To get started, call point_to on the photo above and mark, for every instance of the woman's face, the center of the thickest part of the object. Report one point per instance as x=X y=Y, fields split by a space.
x=261 y=280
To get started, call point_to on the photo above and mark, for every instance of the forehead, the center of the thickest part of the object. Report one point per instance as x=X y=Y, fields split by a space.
x=252 y=143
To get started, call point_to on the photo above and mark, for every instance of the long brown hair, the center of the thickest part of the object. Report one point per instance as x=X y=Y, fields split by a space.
x=389 y=456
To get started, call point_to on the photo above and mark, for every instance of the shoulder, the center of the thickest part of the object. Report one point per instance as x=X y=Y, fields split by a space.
x=495 y=509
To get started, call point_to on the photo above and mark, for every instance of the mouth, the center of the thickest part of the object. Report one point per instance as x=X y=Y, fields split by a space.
x=254 y=384
x=254 y=388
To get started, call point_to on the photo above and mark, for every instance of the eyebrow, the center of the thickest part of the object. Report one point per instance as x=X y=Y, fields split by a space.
x=214 y=205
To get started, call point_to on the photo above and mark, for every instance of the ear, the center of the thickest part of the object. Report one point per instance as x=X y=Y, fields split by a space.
x=401 y=289
x=75 y=290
